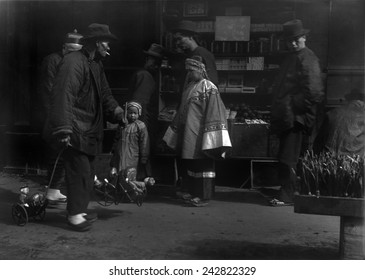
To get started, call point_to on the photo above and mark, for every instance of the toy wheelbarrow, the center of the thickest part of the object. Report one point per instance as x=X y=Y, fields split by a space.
x=32 y=205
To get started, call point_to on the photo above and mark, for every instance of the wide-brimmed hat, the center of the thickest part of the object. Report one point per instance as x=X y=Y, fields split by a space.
x=186 y=27
x=294 y=28
x=99 y=31
x=155 y=50
x=73 y=40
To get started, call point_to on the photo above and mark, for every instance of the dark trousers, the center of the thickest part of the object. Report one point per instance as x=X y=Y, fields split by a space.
x=58 y=170
x=291 y=144
x=79 y=180
x=199 y=178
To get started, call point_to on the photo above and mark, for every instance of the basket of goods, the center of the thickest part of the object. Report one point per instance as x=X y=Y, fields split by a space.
x=249 y=131
x=249 y=115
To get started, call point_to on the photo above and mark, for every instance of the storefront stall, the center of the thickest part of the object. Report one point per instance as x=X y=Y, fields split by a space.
x=247 y=61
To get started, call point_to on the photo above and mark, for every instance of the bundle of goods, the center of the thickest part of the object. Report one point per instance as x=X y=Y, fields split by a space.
x=328 y=174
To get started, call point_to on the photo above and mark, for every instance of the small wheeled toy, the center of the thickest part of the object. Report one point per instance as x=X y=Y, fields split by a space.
x=29 y=206
x=124 y=188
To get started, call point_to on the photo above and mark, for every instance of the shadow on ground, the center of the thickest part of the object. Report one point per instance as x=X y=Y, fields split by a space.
x=242 y=250
x=227 y=194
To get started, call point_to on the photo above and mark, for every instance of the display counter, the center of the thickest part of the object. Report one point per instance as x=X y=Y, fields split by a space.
x=252 y=140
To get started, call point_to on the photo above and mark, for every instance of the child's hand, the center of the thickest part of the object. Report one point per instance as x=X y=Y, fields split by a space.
x=113 y=172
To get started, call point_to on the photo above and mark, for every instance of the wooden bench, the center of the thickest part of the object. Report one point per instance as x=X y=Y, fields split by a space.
x=351 y=212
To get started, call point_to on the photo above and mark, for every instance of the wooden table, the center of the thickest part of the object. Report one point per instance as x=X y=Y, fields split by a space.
x=352 y=226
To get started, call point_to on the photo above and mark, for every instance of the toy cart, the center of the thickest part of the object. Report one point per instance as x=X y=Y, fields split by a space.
x=124 y=188
x=32 y=205
x=29 y=206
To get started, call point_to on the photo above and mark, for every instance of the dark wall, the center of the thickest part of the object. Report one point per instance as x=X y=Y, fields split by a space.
x=5 y=86
x=29 y=30
x=33 y=29
x=345 y=49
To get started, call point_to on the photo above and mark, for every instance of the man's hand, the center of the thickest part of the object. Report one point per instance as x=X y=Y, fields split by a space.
x=65 y=141
x=119 y=114
x=113 y=172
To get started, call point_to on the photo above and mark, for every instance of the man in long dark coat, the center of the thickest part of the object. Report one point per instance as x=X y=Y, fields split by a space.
x=298 y=90
x=81 y=97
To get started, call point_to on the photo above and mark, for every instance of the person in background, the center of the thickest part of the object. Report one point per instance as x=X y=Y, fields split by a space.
x=343 y=129
x=199 y=133
x=131 y=147
x=297 y=92
x=186 y=36
x=81 y=98
x=49 y=67
x=143 y=88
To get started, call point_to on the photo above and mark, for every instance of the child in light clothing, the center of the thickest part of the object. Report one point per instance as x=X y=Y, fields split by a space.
x=132 y=148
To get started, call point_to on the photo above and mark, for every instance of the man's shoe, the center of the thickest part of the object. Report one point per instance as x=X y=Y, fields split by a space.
x=84 y=226
x=91 y=217
x=55 y=196
x=196 y=202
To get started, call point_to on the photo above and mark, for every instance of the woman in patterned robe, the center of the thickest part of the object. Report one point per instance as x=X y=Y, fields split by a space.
x=199 y=132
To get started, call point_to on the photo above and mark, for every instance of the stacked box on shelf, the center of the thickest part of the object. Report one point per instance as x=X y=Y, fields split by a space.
x=255 y=63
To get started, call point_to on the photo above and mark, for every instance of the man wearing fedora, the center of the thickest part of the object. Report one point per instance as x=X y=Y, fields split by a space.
x=71 y=43
x=186 y=36
x=81 y=98
x=297 y=92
